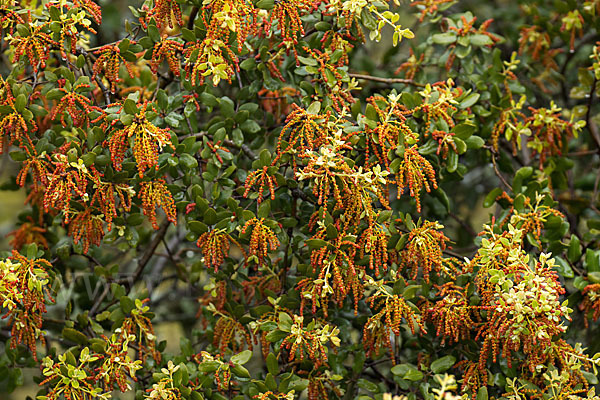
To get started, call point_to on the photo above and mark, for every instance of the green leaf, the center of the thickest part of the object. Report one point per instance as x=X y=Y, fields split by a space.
x=126 y=119
x=242 y=358
x=469 y=101
x=444 y=38
x=272 y=364
x=18 y=156
x=563 y=268
x=208 y=366
x=384 y=215
x=208 y=99
x=590 y=377
x=368 y=385
x=264 y=210
x=124 y=45
x=594 y=277
x=592 y=260
x=474 y=142
x=127 y=305
x=593 y=224
x=574 y=249
x=524 y=172
x=490 y=198
x=298 y=385
x=188 y=35
x=441 y=195
x=130 y=107
x=188 y=161
x=20 y=102
x=154 y=33
x=197 y=227
x=322 y=26
x=210 y=216
x=452 y=161
x=74 y=336
x=265 y=158
x=316 y=243
x=314 y=108
x=442 y=364
x=265 y=4
x=464 y=130
x=410 y=291
x=479 y=39
x=308 y=61
x=248 y=64
x=250 y=126
x=521 y=174
x=173 y=119
x=413 y=375
x=332 y=231
x=369 y=21
x=371 y=113
x=276 y=335
x=270 y=382
x=240 y=371
x=461 y=146
x=22 y=30
x=285 y=322
x=407 y=371
x=54 y=94
x=482 y=393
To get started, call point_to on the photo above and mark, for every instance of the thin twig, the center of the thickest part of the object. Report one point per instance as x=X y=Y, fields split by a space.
x=498 y=174
x=464 y=224
x=160 y=234
x=591 y=37
x=582 y=153
x=99 y=300
x=244 y=147
x=595 y=194
x=103 y=88
x=386 y=80
x=588 y=114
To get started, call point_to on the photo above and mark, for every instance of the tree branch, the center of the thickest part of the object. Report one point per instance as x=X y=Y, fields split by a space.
x=498 y=174
x=243 y=147
x=386 y=80
x=160 y=234
x=588 y=114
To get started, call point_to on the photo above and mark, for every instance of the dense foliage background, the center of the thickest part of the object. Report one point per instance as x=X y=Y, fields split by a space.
x=299 y=199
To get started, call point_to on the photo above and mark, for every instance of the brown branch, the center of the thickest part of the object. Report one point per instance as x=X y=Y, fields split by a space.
x=595 y=194
x=249 y=153
x=581 y=153
x=498 y=174
x=160 y=234
x=99 y=300
x=128 y=36
x=463 y=223
x=243 y=147
x=386 y=80
x=192 y=18
x=588 y=120
x=103 y=88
